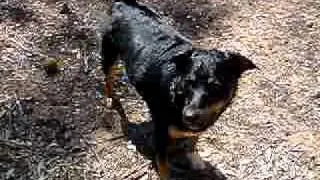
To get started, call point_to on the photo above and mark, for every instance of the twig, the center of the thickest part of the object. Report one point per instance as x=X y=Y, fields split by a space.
x=3 y=113
x=97 y=157
x=85 y=58
x=9 y=127
x=32 y=51
x=18 y=103
x=14 y=144
x=136 y=173
x=116 y=138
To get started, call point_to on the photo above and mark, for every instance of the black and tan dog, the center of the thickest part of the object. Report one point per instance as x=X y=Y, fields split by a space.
x=186 y=88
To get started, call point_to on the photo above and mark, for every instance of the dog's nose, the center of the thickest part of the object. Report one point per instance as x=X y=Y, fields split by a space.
x=195 y=119
x=190 y=114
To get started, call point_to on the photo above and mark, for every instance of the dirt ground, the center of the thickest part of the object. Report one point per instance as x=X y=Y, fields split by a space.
x=61 y=127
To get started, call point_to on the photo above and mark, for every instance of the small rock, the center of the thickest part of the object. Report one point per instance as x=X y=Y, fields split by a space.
x=310 y=24
x=29 y=54
x=52 y=67
x=109 y=102
x=205 y=153
x=131 y=146
x=146 y=177
x=65 y=9
x=99 y=95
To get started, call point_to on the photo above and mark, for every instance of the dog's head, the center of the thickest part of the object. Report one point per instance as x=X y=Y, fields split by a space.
x=207 y=85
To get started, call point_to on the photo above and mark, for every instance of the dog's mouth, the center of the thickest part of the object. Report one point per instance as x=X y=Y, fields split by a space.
x=198 y=122
x=176 y=133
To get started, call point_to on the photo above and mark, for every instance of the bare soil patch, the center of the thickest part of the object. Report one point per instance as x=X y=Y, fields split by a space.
x=60 y=127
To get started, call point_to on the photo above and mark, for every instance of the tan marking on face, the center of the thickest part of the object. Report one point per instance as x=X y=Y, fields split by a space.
x=175 y=133
x=216 y=108
x=219 y=106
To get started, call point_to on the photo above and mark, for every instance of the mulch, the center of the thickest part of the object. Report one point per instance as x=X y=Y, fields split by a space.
x=61 y=126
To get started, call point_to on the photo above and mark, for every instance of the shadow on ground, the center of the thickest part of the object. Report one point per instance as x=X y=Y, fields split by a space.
x=184 y=163
x=16 y=12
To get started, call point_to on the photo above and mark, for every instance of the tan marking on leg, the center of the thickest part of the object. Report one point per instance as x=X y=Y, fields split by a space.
x=114 y=73
x=163 y=168
x=175 y=133
x=108 y=88
x=194 y=143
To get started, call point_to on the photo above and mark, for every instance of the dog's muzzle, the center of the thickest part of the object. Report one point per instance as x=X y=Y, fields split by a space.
x=196 y=119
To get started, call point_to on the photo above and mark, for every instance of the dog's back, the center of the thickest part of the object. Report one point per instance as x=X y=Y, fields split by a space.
x=143 y=40
x=186 y=88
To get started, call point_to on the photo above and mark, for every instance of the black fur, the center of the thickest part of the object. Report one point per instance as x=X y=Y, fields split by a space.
x=184 y=87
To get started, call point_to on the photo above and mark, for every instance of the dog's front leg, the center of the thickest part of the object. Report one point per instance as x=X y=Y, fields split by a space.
x=161 y=145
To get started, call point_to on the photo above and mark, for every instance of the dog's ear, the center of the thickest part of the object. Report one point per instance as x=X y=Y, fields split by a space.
x=233 y=65
x=183 y=61
x=237 y=63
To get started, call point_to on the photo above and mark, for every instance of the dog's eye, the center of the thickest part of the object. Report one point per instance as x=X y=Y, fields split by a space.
x=179 y=92
x=215 y=92
x=190 y=82
x=210 y=80
x=213 y=88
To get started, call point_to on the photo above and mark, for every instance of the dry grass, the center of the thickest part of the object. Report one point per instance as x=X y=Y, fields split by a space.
x=61 y=127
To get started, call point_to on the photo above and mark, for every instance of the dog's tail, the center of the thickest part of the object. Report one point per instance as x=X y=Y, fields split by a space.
x=149 y=11
x=129 y=2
